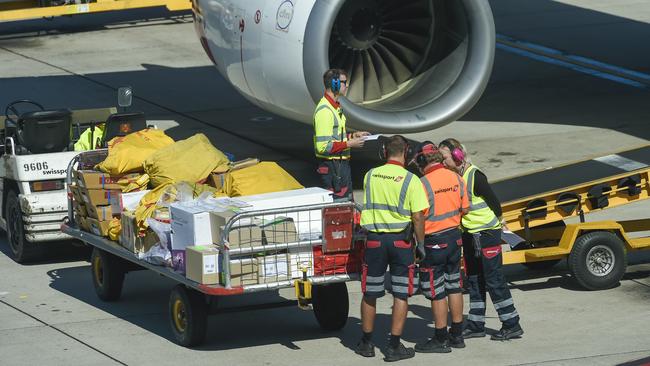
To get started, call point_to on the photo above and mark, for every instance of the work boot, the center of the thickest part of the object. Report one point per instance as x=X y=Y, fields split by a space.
x=472 y=333
x=398 y=353
x=508 y=333
x=456 y=342
x=365 y=349
x=433 y=345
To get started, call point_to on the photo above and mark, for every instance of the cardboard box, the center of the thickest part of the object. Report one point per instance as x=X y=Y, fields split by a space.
x=296 y=197
x=91 y=179
x=190 y=224
x=217 y=180
x=101 y=213
x=273 y=268
x=244 y=232
x=131 y=200
x=281 y=230
x=202 y=264
x=98 y=227
x=299 y=258
x=242 y=272
x=129 y=237
x=308 y=223
x=101 y=197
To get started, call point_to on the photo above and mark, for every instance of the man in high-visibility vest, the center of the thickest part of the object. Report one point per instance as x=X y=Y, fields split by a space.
x=393 y=203
x=440 y=277
x=482 y=249
x=332 y=143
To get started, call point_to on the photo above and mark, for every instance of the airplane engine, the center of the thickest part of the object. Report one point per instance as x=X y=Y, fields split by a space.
x=413 y=65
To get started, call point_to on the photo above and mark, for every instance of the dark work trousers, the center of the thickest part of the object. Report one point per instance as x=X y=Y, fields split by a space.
x=336 y=176
x=485 y=272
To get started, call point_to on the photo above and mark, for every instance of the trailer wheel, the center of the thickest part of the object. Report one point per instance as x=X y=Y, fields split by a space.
x=598 y=260
x=22 y=251
x=108 y=275
x=188 y=315
x=331 y=305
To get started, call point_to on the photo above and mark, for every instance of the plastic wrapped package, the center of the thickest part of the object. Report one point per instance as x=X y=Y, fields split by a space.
x=127 y=154
x=190 y=160
x=264 y=177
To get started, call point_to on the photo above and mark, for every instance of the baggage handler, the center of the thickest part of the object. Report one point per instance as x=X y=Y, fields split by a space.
x=332 y=143
x=394 y=200
x=440 y=277
x=482 y=249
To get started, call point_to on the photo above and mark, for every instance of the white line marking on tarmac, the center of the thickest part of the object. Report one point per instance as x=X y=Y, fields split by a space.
x=621 y=162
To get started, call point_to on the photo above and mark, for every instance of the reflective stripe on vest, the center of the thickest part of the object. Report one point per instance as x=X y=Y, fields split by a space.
x=480 y=216
x=371 y=206
x=324 y=140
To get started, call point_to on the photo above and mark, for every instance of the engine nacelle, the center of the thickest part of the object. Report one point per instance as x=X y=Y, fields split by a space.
x=413 y=65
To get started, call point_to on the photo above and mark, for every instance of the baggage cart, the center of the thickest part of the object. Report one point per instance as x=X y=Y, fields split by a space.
x=324 y=235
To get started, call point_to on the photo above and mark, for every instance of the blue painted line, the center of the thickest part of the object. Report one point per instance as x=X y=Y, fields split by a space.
x=568 y=65
x=581 y=59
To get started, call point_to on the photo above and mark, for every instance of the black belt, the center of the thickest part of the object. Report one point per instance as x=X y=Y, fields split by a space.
x=440 y=233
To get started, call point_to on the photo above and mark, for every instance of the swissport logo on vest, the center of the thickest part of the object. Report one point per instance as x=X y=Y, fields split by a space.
x=382 y=176
x=448 y=189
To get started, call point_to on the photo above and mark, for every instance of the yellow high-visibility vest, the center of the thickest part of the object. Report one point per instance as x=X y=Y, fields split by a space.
x=84 y=143
x=329 y=127
x=480 y=217
x=391 y=195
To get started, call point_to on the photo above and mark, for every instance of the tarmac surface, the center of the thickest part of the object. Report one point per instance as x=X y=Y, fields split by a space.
x=534 y=115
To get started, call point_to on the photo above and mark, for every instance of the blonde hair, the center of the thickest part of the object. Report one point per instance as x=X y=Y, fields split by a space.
x=456 y=144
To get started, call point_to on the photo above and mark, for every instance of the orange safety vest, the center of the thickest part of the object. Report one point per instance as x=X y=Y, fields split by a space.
x=447 y=195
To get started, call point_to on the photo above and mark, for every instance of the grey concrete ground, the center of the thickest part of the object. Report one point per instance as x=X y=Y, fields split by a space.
x=533 y=116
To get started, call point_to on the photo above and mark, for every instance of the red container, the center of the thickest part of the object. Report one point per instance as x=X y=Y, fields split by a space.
x=338 y=263
x=337 y=229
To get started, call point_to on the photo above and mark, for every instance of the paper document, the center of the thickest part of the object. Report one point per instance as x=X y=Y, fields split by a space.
x=511 y=238
x=370 y=137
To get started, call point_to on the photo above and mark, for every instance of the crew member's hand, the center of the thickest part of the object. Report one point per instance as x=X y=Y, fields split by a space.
x=358 y=134
x=356 y=142
x=420 y=253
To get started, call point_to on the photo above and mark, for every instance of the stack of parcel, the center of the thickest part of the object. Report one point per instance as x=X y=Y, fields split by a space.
x=186 y=206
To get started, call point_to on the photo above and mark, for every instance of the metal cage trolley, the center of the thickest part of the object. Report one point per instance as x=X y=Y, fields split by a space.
x=315 y=249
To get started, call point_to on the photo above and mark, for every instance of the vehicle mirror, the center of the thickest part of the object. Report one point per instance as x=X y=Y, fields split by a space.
x=124 y=96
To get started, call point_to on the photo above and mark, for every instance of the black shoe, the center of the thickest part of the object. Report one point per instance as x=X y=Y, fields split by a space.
x=365 y=349
x=508 y=333
x=433 y=345
x=471 y=333
x=398 y=353
x=456 y=342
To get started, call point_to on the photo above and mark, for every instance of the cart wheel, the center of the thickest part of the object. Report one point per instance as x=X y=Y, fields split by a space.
x=188 y=315
x=540 y=266
x=331 y=305
x=597 y=260
x=108 y=275
x=22 y=251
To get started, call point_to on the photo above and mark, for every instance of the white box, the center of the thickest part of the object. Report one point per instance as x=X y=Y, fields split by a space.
x=283 y=199
x=308 y=223
x=299 y=257
x=130 y=201
x=190 y=224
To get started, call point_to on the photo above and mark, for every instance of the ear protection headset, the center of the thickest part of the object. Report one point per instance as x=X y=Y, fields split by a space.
x=456 y=154
x=335 y=83
x=408 y=150
x=426 y=148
